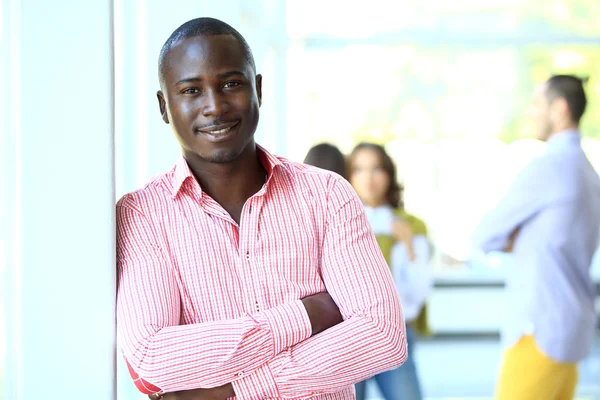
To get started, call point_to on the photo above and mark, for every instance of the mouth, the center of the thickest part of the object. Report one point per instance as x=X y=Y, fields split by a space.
x=220 y=132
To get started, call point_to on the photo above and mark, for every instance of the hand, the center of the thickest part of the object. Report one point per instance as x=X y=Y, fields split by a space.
x=322 y=312
x=511 y=241
x=218 y=393
x=403 y=233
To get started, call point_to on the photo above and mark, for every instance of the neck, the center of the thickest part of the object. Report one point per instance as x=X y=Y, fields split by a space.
x=230 y=184
x=563 y=127
x=375 y=203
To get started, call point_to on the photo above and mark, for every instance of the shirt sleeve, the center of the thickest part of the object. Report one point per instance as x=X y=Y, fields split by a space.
x=164 y=355
x=524 y=199
x=372 y=338
x=413 y=278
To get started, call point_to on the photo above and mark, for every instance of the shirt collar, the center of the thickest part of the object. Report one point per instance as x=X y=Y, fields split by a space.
x=564 y=138
x=183 y=172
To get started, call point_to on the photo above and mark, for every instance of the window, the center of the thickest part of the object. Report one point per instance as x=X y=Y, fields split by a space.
x=445 y=86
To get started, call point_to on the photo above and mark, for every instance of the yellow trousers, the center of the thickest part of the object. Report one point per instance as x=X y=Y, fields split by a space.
x=528 y=374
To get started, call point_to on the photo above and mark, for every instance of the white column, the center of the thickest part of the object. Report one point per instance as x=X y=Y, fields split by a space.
x=58 y=181
x=145 y=145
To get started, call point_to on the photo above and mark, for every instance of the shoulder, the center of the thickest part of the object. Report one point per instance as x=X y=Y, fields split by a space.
x=328 y=189
x=534 y=177
x=556 y=174
x=154 y=195
x=305 y=171
x=537 y=167
x=317 y=181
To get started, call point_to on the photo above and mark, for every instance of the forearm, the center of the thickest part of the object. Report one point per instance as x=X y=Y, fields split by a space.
x=492 y=235
x=212 y=354
x=350 y=352
x=511 y=241
x=524 y=199
x=219 y=393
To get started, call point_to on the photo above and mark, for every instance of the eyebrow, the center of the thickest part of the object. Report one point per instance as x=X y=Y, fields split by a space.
x=230 y=74
x=224 y=75
x=189 y=80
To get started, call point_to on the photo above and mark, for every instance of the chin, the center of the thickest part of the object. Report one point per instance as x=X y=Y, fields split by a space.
x=543 y=137
x=222 y=156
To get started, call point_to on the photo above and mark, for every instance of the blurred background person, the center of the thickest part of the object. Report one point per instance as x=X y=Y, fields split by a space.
x=405 y=246
x=327 y=156
x=550 y=220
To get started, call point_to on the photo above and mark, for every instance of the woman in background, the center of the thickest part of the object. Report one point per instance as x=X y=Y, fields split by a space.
x=404 y=244
x=327 y=156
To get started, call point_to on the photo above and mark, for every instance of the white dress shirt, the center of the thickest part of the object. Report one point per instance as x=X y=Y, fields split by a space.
x=555 y=204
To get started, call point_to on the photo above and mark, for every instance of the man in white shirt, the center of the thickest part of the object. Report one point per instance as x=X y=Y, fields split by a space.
x=550 y=220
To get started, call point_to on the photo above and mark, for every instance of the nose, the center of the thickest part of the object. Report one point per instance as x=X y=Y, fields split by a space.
x=215 y=104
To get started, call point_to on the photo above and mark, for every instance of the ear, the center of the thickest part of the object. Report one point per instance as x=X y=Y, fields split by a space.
x=162 y=105
x=559 y=109
x=564 y=107
x=259 y=88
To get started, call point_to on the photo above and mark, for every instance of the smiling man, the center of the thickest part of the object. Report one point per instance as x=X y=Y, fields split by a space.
x=242 y=273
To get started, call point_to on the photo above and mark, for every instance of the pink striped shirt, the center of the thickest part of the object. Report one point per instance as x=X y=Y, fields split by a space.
x=203 y=302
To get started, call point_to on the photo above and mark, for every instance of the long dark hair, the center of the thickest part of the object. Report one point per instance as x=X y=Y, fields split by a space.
x=393 y=195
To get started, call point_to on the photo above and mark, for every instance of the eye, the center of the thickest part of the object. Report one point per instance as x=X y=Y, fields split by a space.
x=232 y=84
x=190 y=91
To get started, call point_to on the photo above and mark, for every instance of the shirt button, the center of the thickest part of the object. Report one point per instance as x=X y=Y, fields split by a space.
x=257 y=306
x=240 y=374
x=247 y=256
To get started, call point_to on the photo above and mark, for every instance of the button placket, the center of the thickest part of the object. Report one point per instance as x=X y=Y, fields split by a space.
x=246 y=242
x=257 y=269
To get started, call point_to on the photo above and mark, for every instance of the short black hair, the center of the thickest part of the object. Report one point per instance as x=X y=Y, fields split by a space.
x=328 y=157
x=570 y=88
x=202 y=27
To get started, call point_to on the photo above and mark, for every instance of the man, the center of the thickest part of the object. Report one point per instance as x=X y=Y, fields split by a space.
x=232 y=266
x=550 y=218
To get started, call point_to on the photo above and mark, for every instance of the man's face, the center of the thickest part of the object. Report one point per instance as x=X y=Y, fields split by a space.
x=540 y=112
x=211 y=97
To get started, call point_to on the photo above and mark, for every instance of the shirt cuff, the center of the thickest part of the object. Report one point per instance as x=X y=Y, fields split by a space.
x=289 y=324
x=258 y=385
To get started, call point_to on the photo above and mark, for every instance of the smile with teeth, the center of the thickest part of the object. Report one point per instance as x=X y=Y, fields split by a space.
x=220 y=131
x=217 y=130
